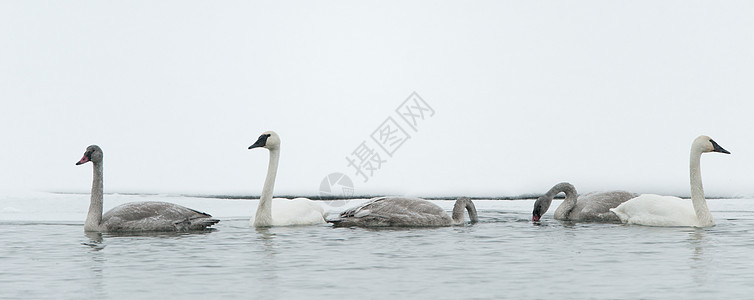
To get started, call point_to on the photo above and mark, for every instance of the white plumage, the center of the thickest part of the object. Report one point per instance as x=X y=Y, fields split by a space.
x=298 y=211
x=655 y=210
x=281 y=212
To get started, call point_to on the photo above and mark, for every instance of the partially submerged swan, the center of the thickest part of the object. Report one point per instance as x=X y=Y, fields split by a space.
x=655 y=210
x=592 y=207
x=405 y=212
x=281 y=212
x=137 y=216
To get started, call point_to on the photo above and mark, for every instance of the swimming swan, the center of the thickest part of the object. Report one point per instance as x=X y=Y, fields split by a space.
x=405 y=212
x=137 y=216
x=299 y=211
x=655 y=210
x=592 y=207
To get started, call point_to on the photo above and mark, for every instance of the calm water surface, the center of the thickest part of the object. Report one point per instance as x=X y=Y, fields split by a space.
x=503 y=256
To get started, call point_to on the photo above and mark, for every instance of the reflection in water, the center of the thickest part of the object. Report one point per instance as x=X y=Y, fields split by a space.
x=268 y=238
x=698 y=263
x=95 y=240
x=161 y=234
x=96 y=267
x=268 y=264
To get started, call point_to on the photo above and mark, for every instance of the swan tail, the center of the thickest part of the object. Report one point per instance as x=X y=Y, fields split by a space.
x=332 y=217
x=203 y=214
x=203 y=223
x=622 y=216
x=344 y=221
x=195 y=223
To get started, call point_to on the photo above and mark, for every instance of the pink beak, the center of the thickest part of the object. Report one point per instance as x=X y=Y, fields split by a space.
x=83 y=160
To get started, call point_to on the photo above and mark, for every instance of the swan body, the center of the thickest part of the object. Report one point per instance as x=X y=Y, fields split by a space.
x=656 y=210
x=281 y=212
x=298 y=211
x=591 y=207
x=154 y=216
x=136 y=216
x=405 y=212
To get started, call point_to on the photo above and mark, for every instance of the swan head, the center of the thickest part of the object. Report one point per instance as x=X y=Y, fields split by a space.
x=707 y=144
x=543 y=203
x=540 y=207
x=268 y=139
x=93 y=153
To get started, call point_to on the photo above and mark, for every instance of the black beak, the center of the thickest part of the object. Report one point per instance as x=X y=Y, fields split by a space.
x=261 y=142
x=717 y=148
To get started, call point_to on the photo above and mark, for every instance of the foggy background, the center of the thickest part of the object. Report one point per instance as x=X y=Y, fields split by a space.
x=605 y=95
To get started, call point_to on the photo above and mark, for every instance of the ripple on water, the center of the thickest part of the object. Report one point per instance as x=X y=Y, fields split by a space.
x=504 y=255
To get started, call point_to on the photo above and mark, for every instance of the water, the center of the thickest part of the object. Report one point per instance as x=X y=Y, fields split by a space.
x=46 y=254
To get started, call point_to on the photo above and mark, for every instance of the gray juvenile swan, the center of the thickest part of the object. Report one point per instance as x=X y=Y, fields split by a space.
x=592 y=207
x=137 y=216
x=405 y=212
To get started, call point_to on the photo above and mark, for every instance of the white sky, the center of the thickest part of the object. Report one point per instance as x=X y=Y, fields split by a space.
x=603 y=94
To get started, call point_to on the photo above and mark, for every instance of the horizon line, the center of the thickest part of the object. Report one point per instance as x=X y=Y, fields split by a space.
x=527 y=196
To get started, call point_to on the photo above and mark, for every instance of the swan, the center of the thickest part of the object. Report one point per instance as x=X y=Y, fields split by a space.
x=592 y=207
x=136 y=216
x=405 y=212
x=299 y=211
x=656 y=210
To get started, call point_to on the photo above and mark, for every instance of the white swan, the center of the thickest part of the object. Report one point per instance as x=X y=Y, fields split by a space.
x=592 y=207
x=655 y=210
x=137 y=216
x=405 y=212
x=281 y=212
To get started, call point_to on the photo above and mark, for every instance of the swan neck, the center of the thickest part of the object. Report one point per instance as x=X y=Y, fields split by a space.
x=263 y=215
x=703 y=214
x=94 y=216
x=458 y=209
x=565 y=208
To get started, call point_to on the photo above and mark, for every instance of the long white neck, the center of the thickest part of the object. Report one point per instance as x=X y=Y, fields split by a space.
x=565 y=208
x=94 y=217
x=697 y=191
x=263 y=216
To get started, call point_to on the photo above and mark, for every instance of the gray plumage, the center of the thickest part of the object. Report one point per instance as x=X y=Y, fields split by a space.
x=136 y=216
x=155 y=216
x=405 y=212
x=595 y=206
x=591 y=207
